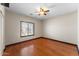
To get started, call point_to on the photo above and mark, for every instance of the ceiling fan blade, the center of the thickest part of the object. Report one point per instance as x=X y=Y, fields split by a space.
x=47 y=10
x=45 y=14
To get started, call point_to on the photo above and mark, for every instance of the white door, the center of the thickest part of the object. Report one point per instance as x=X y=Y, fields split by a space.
x=1 y=31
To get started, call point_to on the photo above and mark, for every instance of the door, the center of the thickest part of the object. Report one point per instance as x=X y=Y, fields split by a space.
x=1 y=30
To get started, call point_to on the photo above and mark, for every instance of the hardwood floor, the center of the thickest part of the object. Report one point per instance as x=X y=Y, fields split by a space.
x=41 y=47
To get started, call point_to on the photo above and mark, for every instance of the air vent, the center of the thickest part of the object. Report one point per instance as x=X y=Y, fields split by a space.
x=5 y=4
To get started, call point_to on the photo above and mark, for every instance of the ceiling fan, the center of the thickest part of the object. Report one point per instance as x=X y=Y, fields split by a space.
x=43 y=11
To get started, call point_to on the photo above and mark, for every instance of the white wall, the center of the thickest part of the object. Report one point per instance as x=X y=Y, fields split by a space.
x=62 y=28
x=2 y=45
x=78 y=29
x=12 y=27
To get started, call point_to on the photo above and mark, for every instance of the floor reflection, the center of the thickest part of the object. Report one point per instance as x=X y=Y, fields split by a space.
x=27 y=50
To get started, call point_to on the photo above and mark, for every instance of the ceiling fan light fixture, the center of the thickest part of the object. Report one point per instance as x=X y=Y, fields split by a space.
x=44 y=8
x=42 y=11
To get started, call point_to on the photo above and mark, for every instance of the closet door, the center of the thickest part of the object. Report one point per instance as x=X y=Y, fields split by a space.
x=1 y=30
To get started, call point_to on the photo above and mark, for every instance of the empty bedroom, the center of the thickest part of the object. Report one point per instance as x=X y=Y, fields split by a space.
x=39 y=29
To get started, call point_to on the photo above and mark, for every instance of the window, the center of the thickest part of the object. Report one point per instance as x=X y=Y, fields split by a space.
x=27 y=29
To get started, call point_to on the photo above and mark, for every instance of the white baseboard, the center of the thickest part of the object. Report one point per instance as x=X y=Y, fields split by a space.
x=1 y=53
x=78 y=47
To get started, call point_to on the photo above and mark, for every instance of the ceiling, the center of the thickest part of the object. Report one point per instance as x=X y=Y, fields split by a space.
x=56 y=9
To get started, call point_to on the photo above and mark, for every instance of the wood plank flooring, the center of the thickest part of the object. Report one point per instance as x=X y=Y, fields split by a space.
x=41 y=47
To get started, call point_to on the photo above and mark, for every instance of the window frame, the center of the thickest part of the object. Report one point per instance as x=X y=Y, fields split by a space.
x=21 y=28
